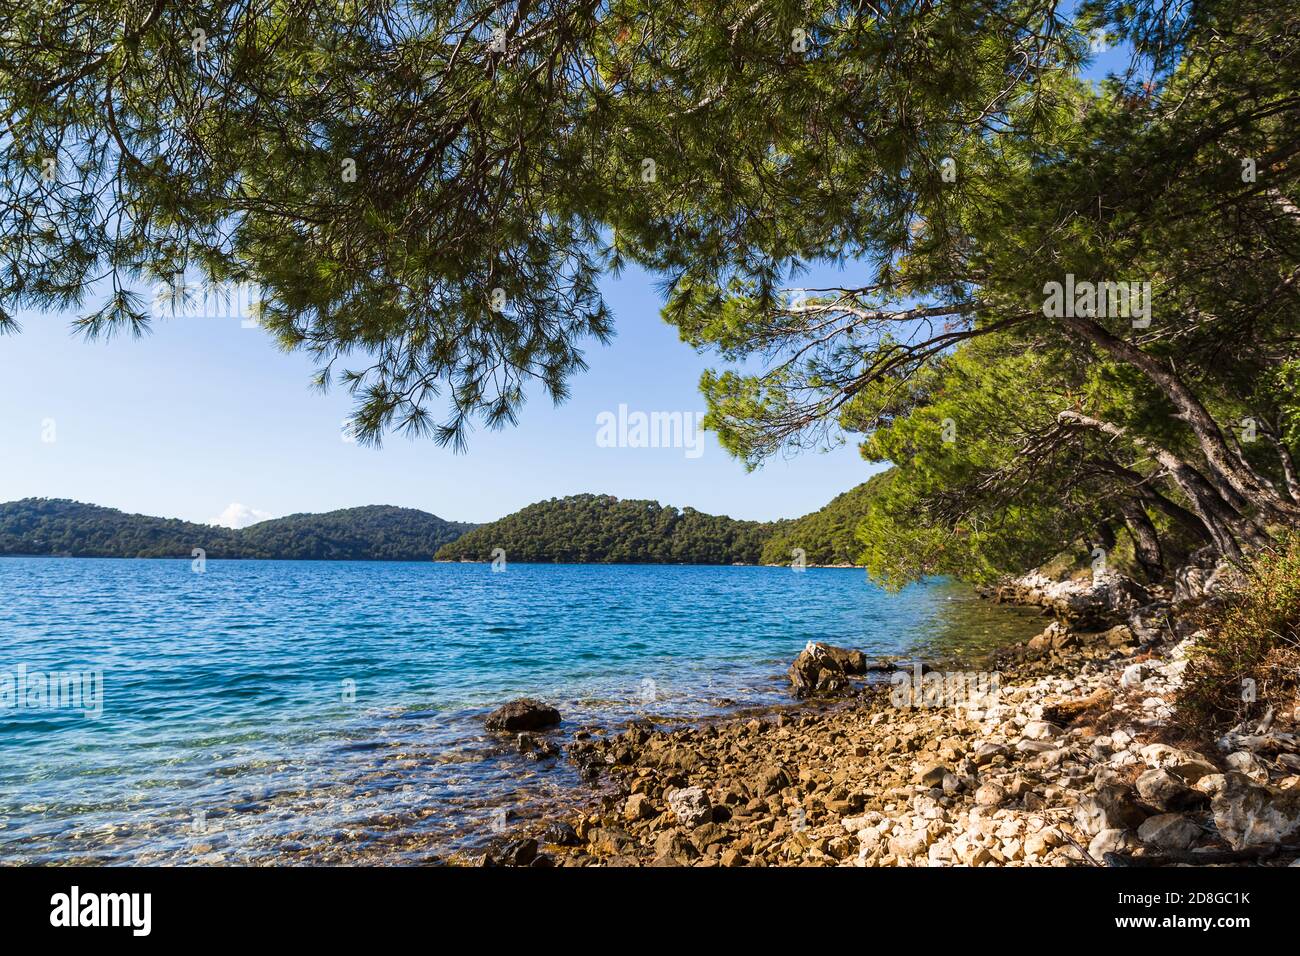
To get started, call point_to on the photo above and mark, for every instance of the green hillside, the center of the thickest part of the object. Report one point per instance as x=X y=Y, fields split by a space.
x=602 y=529
x=828 y=535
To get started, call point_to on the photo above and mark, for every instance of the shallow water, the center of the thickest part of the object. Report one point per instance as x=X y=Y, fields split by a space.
x=281 y=711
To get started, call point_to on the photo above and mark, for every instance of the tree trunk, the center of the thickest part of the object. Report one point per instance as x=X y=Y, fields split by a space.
x=1187 y=520
x=1105 y=535
x=1146 y=543
x=1288 y=467
x=1227 y=527
x=1237 y=480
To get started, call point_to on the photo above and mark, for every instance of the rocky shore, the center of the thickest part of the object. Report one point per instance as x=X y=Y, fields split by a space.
x=1061 y=752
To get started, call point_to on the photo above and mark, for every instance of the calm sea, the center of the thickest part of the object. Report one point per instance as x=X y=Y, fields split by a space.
x=319 y=712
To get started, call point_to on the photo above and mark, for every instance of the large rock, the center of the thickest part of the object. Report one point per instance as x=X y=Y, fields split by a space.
x=1110 y=841
x=767 y=781
x=1112 y=807
x=512 y=853
x=1251 y=814
x=560 y=833
x=931 y=774
x=1189 y=584
x=1205 y=576
x=523 y=714
x=690 y=805
x=1098 y=601
x=638 y=807
x=1169 y=831
x=821 y=670
x=1186 y=764
x=611 y=841
x=1165 y=791
x=673 y=849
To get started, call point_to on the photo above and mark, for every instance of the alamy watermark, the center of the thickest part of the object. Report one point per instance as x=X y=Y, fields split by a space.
x=635 y=429
x=23 y=689
x=1072 y=299
x=208 y=300
x=964 y=690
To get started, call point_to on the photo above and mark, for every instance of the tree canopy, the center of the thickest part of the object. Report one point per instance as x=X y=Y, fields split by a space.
x=428 y=192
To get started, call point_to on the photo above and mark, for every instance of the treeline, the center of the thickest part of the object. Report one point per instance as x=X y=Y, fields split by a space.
x=601 y=529
x=581 y=529
x=44 y=526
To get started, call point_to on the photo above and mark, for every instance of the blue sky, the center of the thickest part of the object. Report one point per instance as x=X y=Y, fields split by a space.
x=204 y=413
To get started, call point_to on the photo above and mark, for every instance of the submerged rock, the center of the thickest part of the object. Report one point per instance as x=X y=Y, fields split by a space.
x=523 y=714
x=536 y=748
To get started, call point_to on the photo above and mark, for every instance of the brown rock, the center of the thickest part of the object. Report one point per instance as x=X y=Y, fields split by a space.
x=523 y=714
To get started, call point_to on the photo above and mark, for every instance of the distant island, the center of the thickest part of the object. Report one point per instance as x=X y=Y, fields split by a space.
x=52 y=526
x=579 y=529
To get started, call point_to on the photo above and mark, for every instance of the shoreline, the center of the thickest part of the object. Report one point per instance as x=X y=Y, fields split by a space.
x=1076 y=762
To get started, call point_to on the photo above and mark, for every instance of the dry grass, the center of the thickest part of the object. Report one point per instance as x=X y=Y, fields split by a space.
x=1254 y=635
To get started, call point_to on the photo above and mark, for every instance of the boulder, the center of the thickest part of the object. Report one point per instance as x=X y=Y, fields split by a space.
x=1169 y=831
x=932 y=774
x=987 y=752
x=690 y=805
x=1251 y=814
x=1112 y=807
x=1111 y=841
x=673 y=849
x=512 y=853
x=1189 y=584
x=638 y=807
x=821 y=670
x=1134 y=675
x=1187 y=764
x=523 y=714
x=1055 y=635
x=611 y=841
x=1099 y=600
x=769 y=780
x=1041 y=730
x=1223 y=579
x=1165 y=791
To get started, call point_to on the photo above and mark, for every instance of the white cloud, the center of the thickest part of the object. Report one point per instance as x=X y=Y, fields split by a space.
x=238 y=516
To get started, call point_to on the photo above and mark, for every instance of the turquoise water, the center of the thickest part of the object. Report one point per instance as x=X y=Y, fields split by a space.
x=280 y=711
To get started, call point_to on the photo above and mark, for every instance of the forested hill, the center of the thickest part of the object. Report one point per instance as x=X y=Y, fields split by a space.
x=597 y=529
x=829 y=535
x=601 y=529
x=47 y=526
